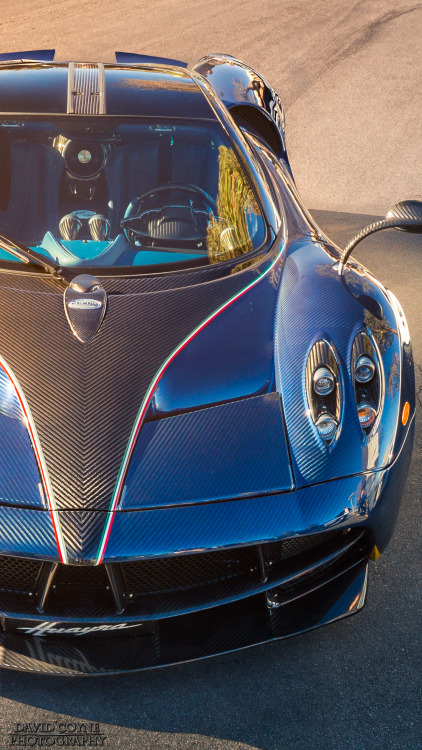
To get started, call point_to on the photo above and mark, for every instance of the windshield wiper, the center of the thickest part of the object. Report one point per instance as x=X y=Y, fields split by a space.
x=31 y=256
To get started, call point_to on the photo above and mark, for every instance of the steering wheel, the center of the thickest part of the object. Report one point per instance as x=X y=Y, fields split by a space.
x=145 y=219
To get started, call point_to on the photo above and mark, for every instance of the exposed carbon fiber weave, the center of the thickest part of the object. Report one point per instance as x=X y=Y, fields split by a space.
x=81 y=530
x=226 y=628
x=20 y=481
x=84 y=397
x=27 y=532
x=156 y=532
x=221 y=452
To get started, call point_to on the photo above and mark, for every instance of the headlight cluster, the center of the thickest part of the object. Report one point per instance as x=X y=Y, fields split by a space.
x=324 y=386
x=365 y=370
x=324 y=390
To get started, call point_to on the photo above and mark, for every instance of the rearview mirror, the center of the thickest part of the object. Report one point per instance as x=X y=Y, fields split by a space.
x=406 y=216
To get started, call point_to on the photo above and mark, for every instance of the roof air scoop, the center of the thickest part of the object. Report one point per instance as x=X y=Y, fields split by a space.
x=86 y=89
x=85 y=303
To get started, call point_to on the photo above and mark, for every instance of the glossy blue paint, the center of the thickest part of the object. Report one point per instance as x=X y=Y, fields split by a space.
x=44 y=55
x=213 y=364
x=235 y=83
x=308 y=307
x=165 y=92
x=232 y=358
x=20 y=481
x=131 y=58
x=239 y=353
x=35 y=87
x=27 y=532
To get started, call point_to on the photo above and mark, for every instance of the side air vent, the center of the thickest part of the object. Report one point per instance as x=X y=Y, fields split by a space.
x=366 y=377
x=323 y=389
x=258 y=123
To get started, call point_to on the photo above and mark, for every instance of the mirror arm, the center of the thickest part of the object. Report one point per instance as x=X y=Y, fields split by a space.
x=370 y=229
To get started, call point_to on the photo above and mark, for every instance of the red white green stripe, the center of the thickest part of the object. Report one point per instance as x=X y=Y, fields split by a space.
x=40 y=460
x=147 y=400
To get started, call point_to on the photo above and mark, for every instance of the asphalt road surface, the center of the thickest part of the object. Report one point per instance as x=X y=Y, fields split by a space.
x=350 y=76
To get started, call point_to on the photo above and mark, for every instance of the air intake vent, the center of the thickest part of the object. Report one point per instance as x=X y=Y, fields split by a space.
x=19 y=574
x=256 y=122
x=86 y=89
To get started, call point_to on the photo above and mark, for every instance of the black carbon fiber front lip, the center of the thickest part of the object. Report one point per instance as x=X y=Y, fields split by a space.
x=208 y=633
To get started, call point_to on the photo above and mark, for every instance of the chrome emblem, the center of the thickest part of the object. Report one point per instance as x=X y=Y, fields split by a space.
x=85 y=303
x=45 y=628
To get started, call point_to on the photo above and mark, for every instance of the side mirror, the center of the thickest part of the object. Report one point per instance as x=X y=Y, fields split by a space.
x=406 y=216
x=405 y=212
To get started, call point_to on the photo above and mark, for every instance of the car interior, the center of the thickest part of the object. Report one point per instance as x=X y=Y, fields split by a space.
x=124 y=193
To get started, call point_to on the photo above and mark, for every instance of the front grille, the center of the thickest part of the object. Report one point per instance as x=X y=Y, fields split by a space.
x=170 y=585
x=170 y=574
x=19 y=574
x=77 y=576
x=302 y=544
x=80 y=591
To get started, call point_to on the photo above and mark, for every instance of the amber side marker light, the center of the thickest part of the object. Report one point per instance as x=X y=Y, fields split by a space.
x=405 y=413
x=375 y=553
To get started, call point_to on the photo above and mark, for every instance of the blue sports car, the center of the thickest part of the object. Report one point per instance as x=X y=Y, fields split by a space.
x=206 y=407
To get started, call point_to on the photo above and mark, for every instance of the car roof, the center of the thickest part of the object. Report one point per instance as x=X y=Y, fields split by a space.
x=146 y=90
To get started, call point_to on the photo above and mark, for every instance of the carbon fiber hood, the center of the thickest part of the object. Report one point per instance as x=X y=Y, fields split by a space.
x=84 y=397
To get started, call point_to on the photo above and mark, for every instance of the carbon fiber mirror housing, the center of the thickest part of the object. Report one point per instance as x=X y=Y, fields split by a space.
x=406 y=215
x=404 y=211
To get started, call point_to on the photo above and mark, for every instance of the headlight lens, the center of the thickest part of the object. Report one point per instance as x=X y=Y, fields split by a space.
x=365 y=369
x=327 y=427
x=367 y=415
x=323 y=381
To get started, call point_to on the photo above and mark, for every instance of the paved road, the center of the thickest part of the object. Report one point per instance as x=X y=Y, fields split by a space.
x=350 y=75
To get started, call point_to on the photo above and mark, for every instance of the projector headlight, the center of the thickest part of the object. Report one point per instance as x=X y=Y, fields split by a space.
x=327 y=427
x=365 y=369
x=324 y=381
x=367 y=415
x=324 y=391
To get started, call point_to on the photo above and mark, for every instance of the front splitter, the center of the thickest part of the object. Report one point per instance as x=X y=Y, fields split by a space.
x=223 y=629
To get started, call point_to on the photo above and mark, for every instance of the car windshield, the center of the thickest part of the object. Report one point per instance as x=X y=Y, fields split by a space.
x=110 y=192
